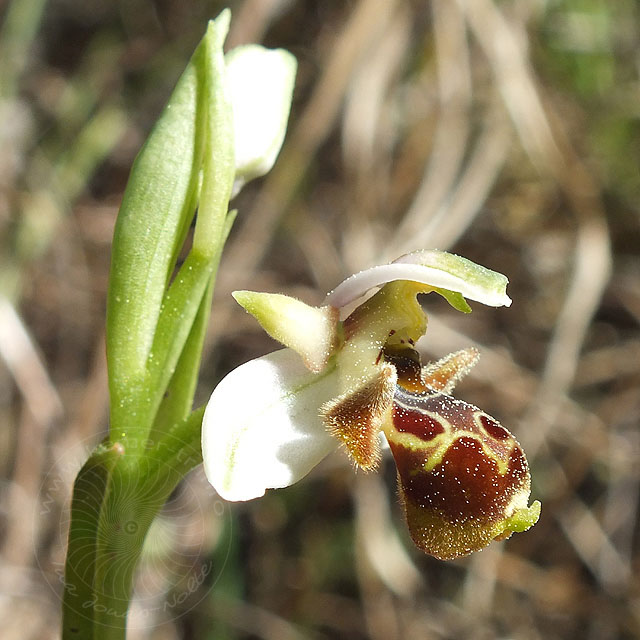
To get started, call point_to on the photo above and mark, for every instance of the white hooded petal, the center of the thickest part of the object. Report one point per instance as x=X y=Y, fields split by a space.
x=262 y=427
x=437 y=269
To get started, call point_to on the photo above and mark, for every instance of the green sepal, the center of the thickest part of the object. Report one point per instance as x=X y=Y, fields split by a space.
x=490 y=286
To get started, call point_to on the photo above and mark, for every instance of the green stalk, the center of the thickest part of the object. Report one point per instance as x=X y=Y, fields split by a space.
x=133 y=497
x=178 y=397
x=113 y=507
x=88 y=492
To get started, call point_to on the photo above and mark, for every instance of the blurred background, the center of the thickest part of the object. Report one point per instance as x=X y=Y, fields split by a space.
x=506 y=131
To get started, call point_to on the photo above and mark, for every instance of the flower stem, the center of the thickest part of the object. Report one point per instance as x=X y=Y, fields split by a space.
x=116 y=497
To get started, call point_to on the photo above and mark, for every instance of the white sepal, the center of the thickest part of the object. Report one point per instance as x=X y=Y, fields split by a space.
x=261 y=85
x=262 y=428
x=436 y=269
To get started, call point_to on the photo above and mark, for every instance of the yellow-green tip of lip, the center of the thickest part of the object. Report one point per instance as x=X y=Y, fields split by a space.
x=524 y=519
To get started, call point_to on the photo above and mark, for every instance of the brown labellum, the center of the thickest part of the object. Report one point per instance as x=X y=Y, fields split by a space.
x=463 y=478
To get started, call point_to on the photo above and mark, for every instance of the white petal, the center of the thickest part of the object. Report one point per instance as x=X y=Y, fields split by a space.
x=262 y=427
x=260 y=84
x=432 y=268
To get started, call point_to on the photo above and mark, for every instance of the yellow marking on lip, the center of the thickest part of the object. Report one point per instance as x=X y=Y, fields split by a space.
x=441 y=443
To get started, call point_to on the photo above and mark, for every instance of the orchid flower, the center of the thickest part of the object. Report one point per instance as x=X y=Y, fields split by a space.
x=463 y=479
